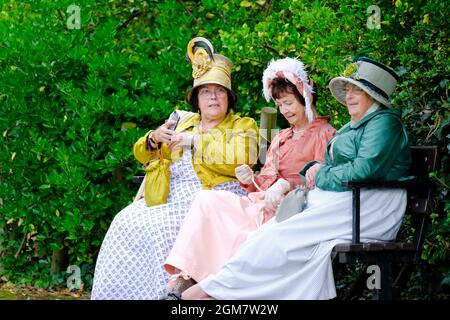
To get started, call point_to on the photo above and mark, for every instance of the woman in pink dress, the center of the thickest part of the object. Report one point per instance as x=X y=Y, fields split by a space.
x=218 y=222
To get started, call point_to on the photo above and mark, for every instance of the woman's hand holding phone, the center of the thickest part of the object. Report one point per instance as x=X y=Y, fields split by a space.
x=164 y=133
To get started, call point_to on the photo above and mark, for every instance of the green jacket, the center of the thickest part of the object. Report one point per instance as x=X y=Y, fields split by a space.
x=374 y=148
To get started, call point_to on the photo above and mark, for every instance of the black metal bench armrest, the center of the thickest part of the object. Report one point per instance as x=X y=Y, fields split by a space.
x=356 y=187
x=406 y=184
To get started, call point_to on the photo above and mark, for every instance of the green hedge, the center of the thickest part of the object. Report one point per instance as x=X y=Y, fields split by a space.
x=73 y=101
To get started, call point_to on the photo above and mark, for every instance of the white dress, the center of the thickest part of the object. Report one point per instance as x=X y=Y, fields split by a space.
x=130 y=261
x=291 y=259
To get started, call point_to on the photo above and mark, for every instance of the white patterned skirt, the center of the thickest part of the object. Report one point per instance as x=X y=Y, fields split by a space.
x=131 y=258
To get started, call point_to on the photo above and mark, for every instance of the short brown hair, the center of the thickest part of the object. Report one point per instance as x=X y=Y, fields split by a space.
x=281 y=86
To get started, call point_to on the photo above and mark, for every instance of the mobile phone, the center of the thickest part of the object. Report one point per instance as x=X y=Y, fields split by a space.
x=175 y=117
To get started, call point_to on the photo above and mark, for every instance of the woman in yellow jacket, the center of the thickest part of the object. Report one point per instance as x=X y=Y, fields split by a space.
x=201 y=153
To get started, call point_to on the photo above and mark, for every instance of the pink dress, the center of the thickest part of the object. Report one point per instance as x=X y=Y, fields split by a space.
x=218 y=222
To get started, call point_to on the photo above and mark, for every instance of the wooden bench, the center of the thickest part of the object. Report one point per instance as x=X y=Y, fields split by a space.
x=386 y=255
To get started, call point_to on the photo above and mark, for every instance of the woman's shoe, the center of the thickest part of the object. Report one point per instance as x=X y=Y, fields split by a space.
x=173 y=296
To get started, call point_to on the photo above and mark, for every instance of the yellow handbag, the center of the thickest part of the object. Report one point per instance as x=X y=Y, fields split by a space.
x=157 y=181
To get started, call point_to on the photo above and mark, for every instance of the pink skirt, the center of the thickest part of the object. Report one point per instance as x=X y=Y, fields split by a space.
x=216 y=225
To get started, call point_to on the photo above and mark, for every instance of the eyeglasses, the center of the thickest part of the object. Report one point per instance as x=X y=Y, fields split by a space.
x=353 y=89
x=208 y=93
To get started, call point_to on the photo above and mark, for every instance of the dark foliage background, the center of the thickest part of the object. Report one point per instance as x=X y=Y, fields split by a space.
x=73 y=101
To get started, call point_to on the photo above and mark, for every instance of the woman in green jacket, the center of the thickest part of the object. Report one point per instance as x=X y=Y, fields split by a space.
x=291 y=259
x=200 y=153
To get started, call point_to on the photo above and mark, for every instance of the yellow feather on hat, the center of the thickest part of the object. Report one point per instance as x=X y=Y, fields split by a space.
x=200 y=53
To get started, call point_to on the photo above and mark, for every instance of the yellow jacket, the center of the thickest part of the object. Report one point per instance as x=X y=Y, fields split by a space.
x=219 y=150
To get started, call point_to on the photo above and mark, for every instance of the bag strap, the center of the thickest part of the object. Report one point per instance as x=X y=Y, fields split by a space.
x=256 y=185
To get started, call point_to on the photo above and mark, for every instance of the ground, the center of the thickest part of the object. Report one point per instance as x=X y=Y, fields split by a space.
x=10 y=292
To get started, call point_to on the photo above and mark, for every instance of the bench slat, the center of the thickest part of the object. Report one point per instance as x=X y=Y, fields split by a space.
x=138 y=179
x=373 y=246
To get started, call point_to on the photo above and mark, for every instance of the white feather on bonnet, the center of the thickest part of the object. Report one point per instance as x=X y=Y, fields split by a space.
x=292 y=70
